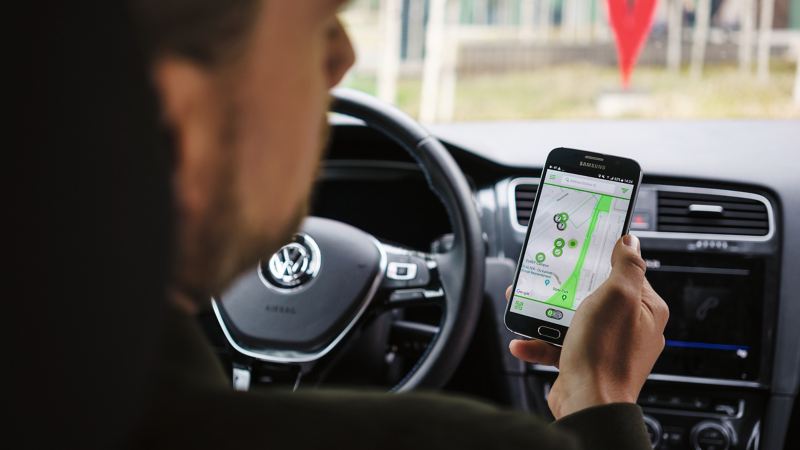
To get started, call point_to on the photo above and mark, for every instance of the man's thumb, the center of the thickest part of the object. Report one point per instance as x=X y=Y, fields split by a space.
x=626 y=260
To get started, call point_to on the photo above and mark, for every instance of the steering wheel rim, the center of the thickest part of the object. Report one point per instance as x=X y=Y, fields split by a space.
x=357 y=268
x=462 y=268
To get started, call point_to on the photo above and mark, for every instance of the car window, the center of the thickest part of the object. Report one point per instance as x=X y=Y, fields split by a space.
x=454 y=60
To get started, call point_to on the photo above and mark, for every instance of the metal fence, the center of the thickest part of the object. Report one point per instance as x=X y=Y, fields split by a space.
x=442 y=40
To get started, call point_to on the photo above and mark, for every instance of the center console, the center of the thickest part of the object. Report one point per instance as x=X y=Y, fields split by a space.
x=713 y=255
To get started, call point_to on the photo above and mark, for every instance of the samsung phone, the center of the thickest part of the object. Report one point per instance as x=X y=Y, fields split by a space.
x=582 y=207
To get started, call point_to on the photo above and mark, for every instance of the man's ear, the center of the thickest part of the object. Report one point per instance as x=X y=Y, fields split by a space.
x=186 y=91
x=189 y=104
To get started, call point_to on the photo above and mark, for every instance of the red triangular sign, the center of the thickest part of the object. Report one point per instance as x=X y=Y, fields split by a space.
x=631 y=21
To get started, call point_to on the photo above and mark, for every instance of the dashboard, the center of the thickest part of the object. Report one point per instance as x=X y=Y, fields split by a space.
x=714 y=272
x=718 y=215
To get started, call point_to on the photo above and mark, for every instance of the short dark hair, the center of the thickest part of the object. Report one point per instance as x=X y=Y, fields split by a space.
x=205 y=31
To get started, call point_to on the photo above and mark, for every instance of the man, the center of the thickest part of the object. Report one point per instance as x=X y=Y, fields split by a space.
x=243 y=89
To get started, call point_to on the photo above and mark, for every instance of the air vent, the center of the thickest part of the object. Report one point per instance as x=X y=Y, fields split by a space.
x=524 y=195
x=681 y=212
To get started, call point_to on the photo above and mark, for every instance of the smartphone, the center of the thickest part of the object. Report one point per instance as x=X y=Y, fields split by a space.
x=582 y=207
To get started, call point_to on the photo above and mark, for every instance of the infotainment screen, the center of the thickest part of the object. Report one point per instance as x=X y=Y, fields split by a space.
x=714 y=328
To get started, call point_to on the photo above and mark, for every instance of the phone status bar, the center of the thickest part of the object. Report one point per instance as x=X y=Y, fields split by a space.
x=599 y=175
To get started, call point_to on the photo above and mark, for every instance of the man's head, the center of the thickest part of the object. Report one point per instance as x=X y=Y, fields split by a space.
x=244 y=88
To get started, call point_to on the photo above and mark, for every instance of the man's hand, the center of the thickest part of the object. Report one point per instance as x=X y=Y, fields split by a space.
x=613 y=340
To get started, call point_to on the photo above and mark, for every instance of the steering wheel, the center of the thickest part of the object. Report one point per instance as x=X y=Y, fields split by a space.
x=297 y=307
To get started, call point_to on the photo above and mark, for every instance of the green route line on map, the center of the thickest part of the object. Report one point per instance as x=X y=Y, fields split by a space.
x=569 y=287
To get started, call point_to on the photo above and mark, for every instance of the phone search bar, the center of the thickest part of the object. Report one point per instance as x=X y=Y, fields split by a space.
x=590 y=184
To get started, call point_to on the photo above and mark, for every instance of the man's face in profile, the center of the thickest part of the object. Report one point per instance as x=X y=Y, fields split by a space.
x=249 y=134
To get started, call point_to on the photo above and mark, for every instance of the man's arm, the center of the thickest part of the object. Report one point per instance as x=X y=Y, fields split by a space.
x=613 y=341
x=618 y=425
x=330 y=419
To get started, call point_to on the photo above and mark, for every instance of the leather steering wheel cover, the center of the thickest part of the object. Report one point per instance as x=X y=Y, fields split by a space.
x=461 y=269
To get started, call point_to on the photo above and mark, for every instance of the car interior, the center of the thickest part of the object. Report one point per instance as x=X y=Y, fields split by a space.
x=729 y=374
x=396 y=282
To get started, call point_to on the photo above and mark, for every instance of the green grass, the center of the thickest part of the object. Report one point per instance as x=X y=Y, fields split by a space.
x=570 y=92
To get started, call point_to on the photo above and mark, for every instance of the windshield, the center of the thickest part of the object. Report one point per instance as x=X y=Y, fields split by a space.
x=461 y=60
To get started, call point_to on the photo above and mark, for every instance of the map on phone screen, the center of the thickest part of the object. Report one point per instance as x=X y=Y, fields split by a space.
x=576 y=225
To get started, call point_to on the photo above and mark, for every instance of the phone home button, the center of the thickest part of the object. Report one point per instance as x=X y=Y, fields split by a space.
x=551 y=333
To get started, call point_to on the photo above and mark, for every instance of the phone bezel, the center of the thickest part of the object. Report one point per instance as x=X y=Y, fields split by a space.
x=568 y=160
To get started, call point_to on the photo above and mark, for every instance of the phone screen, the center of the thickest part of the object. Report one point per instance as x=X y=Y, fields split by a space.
x=577 y=222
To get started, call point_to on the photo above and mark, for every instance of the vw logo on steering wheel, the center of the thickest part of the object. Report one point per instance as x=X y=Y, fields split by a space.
x=295 y=264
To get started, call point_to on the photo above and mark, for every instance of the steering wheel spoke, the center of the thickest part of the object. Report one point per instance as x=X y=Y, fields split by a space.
x=411 y=279
x=410 y=339
x=404 y=298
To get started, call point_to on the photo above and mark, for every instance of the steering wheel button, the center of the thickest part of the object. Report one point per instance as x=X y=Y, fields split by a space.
x=406 y=295
x=401 y=271
x=423 y=276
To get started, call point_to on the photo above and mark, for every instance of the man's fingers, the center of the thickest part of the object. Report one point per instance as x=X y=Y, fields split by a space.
x=626 y=259
x=535 y=351
x=655 y=304
x=627 y=271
